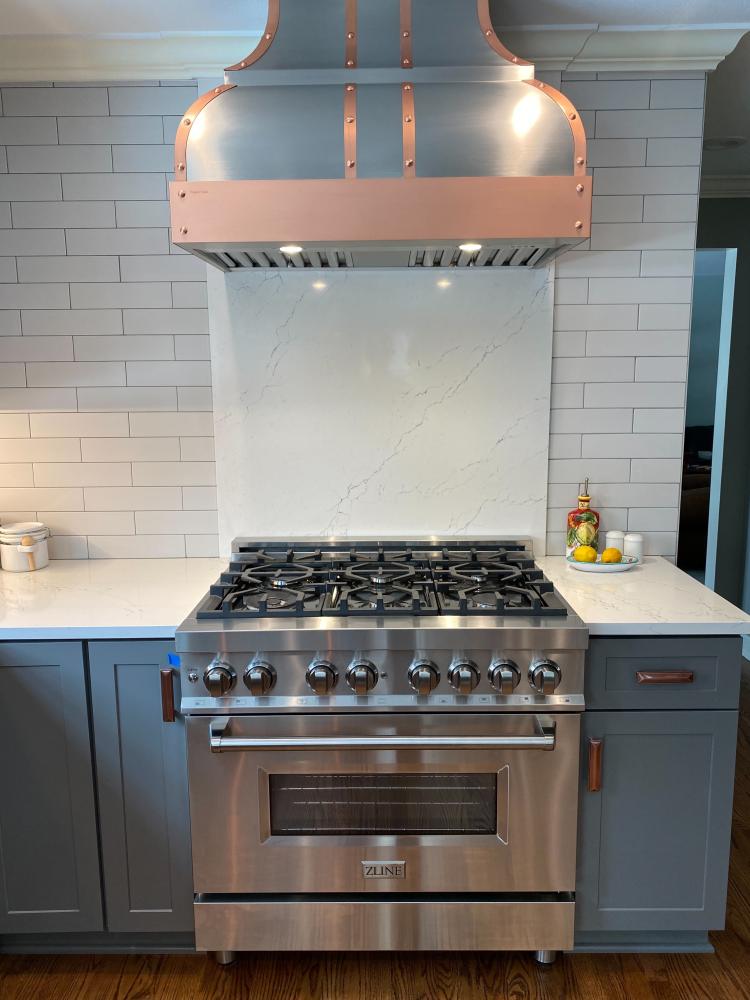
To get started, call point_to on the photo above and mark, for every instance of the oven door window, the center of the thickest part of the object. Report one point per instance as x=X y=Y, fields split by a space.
x=361 y=804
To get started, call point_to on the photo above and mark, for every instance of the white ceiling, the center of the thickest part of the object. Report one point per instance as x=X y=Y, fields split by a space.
x=22 y=17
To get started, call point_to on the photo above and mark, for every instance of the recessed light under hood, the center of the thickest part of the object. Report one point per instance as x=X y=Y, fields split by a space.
x=380 y=133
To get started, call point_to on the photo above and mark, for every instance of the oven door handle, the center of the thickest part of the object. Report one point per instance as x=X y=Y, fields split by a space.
x=221 y=741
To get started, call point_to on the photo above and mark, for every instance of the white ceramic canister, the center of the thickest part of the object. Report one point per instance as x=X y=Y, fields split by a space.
x=17 y=558
x=615 y=540
x=633 y=546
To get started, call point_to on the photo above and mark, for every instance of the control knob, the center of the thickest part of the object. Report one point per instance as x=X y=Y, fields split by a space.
x=259 y=677
x=504 y=676
x=362 y=676
x=219 y=677
x=544 y=676
x=321 y=676
x=424 y=676
x=464 y=676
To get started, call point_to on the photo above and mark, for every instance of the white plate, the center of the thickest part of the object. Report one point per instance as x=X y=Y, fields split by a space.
x=628 y=562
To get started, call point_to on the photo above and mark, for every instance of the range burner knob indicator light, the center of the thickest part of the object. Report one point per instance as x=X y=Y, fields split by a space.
x=259 y=678
x=504 y=676
x=362 y=676
x=544 y=676
x=424 y=677
x=464 y=676
x=321 y=676
x=219 y=677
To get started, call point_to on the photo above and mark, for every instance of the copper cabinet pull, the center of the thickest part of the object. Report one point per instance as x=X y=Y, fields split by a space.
x=595 y=765
x=167 y=695
x=664 y=676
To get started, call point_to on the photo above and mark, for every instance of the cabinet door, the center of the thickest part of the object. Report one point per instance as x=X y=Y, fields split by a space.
x=143 y=796
x=49 y=858
x=654 y=841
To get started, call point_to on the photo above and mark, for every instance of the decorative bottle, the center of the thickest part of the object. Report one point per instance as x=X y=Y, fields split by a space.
x=583 y=523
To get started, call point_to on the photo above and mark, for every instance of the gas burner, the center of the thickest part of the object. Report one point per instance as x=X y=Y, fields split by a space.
x=380 y=574
x=479 y=571
x=276 y=575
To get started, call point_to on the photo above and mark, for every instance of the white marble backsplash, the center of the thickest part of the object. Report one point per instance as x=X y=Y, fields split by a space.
x=372 y=402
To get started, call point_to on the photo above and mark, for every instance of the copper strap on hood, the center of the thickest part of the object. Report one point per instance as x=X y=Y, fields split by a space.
x=407 y=59
x=483 y=12
x=350 y=41
x=409 y=129
x=272 y=26
x=350 y=130
x=576 y=125
x=187 y=122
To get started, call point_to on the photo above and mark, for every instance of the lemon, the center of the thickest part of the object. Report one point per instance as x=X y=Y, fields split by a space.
x=611 y=556
x=584 y=553
x=585 y=533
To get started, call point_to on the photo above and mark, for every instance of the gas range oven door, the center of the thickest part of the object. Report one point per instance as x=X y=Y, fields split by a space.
x=371 y=805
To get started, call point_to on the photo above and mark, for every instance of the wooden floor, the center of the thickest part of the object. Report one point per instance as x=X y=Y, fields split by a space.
x=723 y=976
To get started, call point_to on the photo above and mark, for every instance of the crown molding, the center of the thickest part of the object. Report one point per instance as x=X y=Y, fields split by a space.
x=725 y=186
x=184 y=55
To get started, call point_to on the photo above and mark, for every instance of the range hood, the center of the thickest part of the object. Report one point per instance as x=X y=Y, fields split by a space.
x=380 y=133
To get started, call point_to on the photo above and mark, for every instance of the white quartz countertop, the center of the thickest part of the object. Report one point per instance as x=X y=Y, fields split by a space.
x=654 y=598
x=148 y=598
x=103 y=599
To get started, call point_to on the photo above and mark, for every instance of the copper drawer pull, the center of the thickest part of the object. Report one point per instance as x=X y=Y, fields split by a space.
x=664 y=676
x=167 y=695
x=595 y=765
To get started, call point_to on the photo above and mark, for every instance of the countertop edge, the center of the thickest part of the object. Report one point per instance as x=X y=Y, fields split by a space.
x=86 y=632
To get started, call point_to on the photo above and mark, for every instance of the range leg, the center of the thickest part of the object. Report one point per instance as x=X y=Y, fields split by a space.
x=545 y=957
x=226 y=957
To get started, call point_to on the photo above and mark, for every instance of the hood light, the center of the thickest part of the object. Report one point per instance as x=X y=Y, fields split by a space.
x=291 y=249
x=470 y=247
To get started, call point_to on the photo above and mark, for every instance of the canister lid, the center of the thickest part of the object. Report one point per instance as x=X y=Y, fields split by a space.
x=14 y=532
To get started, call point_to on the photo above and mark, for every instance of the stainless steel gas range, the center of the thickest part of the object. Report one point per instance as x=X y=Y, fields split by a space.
x=383 y=744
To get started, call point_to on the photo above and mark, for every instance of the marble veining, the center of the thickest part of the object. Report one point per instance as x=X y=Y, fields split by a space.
x=370 y=402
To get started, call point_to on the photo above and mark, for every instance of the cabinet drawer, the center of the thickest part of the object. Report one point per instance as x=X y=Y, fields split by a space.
x=663 y=673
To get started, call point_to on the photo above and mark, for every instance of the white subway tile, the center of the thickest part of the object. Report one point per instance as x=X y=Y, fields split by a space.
x=199 y=497
x=82 y=474
x=618 y=290
x=160 y=522
x=579 y=420
x=623 y=494
x=195 y=397
x=659 y=421
x=10 y=323
x=8 y=269
x=50 y=214
x=646 y=180
x=182 y=424
x=169 y=372
x=606 y=394
x=655 y=470
x=64 y=323
x=41 y=499
x=192 y=348
x=41 y=269
x=117 y=128
x=598 y=470
x=656 y=316
x=170 y=124
x=599 y=94
x=674 y=152
x=62 y=373
x=631 y=445
x=174 y=474
x=23 y=131
x=189 y=295
x=566 y=396
x=89 y=522
x=55 y=101
x=656 y=369
x=639 y=344
x=5 y=219
x=38 y=399
x=16 y=473
x=152 y=294
x=136 y=546
x=61 y=425
x=643 y=124
x=130 y=398
x=30 y=187
x=197 y=449
x=201 y=546
x=617 y=208
x=571 y=290
x=109 y=187
x=124 y=348
x=68 y=547
x=565 y=446
x=59 y=159
x=169 y=267
x=677 y=93
x=18 y=242
x=142 y=213
x=14 y=425
x=131 y=449
x=644 y=235
x=653 y=519
x=33 y=296
x=40 y=450
x=12 y=375
x=159 y=159
x=660 y=543
x=117 y=241
x=593 y=369
x=616 y=152
x=671 y=263
x=151 y=100
x=569 y=344
x=595 y=317
x=670 y=208
x=132 y=498
x=175 y=321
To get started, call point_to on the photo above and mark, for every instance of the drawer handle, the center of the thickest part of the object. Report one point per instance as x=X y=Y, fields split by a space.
x=595 y=765
x=664 y=676
x=167 y=695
